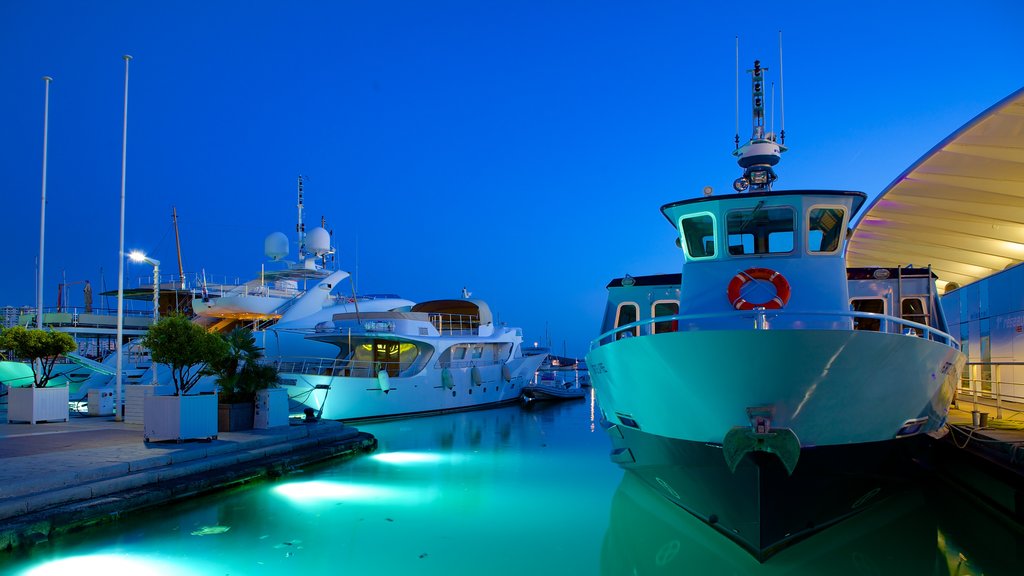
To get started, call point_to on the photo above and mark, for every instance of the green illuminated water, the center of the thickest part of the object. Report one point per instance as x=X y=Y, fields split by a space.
x=504 y=491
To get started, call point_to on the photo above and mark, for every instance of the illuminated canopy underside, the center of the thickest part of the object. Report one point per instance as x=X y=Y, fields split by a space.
x=959 y=208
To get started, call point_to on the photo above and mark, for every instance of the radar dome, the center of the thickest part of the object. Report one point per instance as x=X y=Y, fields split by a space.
x=318 y=241
x=276 y=246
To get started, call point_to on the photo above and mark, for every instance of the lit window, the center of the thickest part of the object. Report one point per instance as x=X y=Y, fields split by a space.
x=698 y=234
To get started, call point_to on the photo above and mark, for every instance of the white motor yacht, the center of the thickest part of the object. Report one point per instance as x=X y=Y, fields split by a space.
x=434 y=356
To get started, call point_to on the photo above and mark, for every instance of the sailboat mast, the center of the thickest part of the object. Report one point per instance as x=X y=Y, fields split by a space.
x=177 y=243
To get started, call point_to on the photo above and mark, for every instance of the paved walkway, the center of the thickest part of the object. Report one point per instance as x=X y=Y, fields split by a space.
x=49 y=468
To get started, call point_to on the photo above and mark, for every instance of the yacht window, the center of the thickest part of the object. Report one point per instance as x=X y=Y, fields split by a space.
x=872 y=305
x=459 y=353
x=628 y=313
x=478 y=352
x=667 y=308
x=825 y=229
x=761 y=230
x=698 y=234
x=913 y=309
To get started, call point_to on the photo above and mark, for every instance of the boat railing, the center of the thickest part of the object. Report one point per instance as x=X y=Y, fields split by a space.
x=468 y=363
x=455 y=324
x=337 y=367
x=74 y=316
x=763 y=319
x=993 y=383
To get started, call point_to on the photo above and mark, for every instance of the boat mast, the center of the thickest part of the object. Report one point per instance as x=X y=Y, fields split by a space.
x=300 y=228
x=177 y=243
x=759 y=154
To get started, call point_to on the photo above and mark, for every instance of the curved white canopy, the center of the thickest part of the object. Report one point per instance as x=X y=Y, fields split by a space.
x=959 y=208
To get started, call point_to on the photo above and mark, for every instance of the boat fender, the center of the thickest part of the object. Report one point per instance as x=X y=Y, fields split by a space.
x=446 y=378
x=782 y=290
x=506 y=372
x=475 y=375
x=383 y=381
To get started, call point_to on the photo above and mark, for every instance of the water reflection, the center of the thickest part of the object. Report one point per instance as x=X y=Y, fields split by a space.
x=501 y=492
x=914 y=532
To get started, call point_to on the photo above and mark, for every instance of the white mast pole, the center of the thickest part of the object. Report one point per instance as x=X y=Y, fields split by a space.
x=42 y=210
x=42 y=216
x=120 y=254
x=782 y=95
x=737 y=139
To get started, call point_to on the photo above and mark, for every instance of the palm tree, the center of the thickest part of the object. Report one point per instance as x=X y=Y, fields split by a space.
x=239 y=373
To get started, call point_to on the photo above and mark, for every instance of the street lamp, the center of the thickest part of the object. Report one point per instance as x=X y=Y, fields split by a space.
x=137 y=256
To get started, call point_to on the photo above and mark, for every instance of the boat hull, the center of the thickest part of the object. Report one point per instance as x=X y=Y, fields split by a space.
x=552 y=392
x=759 y=506
x=429 y=391
x=830 y=387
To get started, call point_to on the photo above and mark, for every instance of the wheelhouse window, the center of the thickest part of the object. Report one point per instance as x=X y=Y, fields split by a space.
x=761 y=230
x=872 y=305
x=825 y=229
x=698 y=235
x=628 y=313
x=913 y=309
x=665 y=308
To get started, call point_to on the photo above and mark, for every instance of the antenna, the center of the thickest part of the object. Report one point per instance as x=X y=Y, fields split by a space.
x=759 y=154
x=737 y=138
x=771 y=126
x=300 y=228
x=782 y=96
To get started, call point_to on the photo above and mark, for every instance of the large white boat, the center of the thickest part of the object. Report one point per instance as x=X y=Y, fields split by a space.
x=280 y=305
x=435 y=356
x=767 y=389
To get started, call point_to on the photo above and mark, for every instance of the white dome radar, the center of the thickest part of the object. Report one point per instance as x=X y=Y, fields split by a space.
x=276 y=246
x=318 y=241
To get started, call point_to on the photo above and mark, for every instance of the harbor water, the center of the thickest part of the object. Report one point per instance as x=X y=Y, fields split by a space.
x=507 y=491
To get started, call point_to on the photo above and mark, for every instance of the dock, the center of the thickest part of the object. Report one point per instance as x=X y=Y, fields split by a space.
x=58 y=477
x=985 y=460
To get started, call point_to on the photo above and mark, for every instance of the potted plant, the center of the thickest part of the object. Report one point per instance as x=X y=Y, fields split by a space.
x=239 y=377
x=188 y=350
x=33 y=401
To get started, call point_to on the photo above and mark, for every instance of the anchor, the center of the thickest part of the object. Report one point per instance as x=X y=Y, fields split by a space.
x=761 y=437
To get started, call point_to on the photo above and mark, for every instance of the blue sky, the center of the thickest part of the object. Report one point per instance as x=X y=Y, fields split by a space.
x=518 y=148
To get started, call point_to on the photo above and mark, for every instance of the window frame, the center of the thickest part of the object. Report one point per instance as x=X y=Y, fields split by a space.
x=842 y=231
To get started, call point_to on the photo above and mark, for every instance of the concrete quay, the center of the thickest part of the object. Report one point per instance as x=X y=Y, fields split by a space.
x=986 y=461
x=60 y=477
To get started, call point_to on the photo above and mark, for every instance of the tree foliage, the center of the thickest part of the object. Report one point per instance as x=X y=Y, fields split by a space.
x=239 y=372
x=187 y=348
x=41 y=347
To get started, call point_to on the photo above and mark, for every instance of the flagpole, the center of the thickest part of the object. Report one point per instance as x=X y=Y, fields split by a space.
x=42 y=209
x=120 y=255
x=42 y=223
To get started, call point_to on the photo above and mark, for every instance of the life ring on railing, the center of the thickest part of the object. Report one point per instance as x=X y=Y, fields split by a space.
x=740 y=280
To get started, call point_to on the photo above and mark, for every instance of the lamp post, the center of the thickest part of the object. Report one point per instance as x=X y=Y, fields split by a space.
x=136 y=256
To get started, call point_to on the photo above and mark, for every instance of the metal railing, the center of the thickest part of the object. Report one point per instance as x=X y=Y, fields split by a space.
x=762 y=319
x=455 y=324
x=992 y=388
x=338 y=367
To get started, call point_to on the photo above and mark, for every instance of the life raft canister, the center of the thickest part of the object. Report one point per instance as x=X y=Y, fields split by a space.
x=740 y=280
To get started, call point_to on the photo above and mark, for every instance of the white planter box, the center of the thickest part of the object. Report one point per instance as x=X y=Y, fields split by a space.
x=31 y=404
x=180 y=418
x=134 y=401
x=271 y=408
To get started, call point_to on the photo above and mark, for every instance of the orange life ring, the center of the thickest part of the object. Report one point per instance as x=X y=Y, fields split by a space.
x=741 y=279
